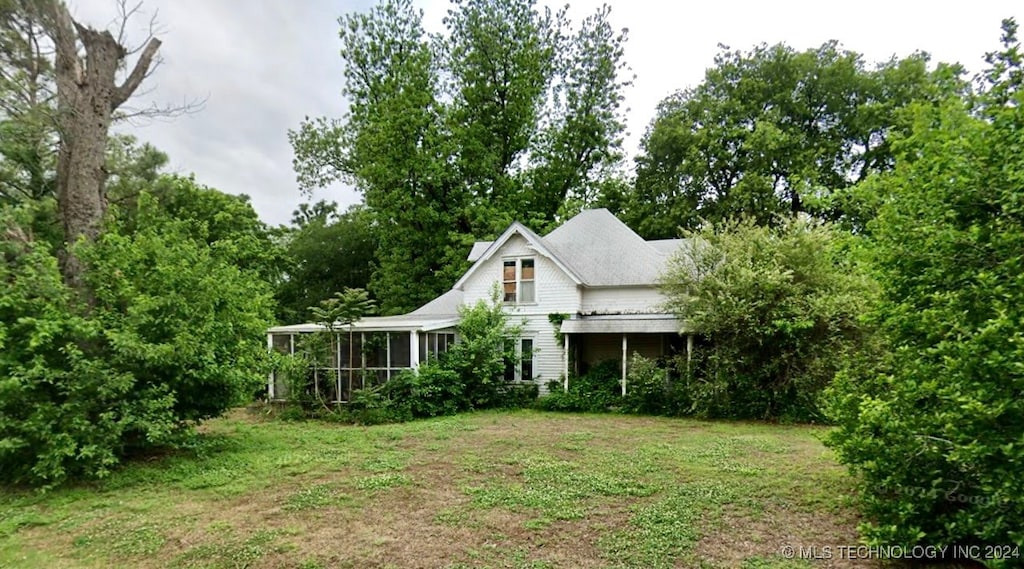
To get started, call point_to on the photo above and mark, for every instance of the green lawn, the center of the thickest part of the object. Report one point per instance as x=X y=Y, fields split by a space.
x=499 y=489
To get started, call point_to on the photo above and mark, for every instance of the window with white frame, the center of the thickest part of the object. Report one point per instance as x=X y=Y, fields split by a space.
x=434 y=344
x=518 y=280
x=519 y=360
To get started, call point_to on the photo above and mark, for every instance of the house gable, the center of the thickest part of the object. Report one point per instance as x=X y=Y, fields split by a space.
x=533 y=241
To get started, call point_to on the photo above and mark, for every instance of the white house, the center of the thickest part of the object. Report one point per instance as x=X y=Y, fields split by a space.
x=585 y=292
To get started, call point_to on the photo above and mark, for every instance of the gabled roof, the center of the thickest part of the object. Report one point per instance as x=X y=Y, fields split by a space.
x=594 y=248
x=535 y=242
x=667 y=246
x=606 y=252
x=478 y=250
x=445 y=305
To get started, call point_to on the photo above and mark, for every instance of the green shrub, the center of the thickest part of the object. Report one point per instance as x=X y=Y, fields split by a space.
x=478 y=358
x=652 y=390
x=934 y=430
x=596 y=391
x=780 y=310
x=173 y=335
x=430 y=391
x=518 y=396
x=178 y=315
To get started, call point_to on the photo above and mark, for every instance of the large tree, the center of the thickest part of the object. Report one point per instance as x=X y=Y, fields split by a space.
x=934 y=430
x=510 y=114
x=775 y=131
x=324 y=252
x=88 y=93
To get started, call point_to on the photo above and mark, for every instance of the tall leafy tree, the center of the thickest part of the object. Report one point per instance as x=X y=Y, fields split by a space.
x=779 y=308
x=776 y=131
x=934 y=430
x=324 y=252
x=28 y=139
x=508 y=115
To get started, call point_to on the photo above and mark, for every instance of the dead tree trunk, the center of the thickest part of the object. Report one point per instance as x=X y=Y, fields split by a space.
x=87 y=96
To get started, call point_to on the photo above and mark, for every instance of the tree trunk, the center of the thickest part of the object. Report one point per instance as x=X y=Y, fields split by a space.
x=87 y=96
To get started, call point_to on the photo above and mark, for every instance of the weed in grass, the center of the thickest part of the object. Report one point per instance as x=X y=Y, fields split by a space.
x=579 y=436
x=774 y=563
x=389 y=462
x=660 y=533
x=232 y=553
x=314 y=497
x=559 y=489
x=538 y=523
x=452 y=517
x=125 y=537
x=382 y=481
x=475 y=464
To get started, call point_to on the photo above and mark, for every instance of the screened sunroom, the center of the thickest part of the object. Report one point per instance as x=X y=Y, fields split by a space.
x=373 y=351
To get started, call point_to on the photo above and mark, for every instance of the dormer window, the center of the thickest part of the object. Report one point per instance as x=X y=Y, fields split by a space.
x=518 y=280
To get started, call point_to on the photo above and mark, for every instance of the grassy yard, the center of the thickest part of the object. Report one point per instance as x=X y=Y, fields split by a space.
x=518 y=489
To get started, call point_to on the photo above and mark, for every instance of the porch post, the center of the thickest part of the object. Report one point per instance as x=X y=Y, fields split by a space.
x=624 y=361
x=689 y=350
x=270 y=376
x=565 y=363
x=414 y=349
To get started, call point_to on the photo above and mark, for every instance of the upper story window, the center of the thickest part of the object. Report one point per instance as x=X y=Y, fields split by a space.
x=518 y=280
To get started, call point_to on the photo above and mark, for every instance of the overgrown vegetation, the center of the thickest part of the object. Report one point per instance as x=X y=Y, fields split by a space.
x=933 y=429
x=780 y=310
x=470 y=375
x=653 y=388
x=171 y=337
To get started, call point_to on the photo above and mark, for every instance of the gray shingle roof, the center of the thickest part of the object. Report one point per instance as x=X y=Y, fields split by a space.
x=605 y=252
x=667 y=246
x=479 y=248
x=445 y=305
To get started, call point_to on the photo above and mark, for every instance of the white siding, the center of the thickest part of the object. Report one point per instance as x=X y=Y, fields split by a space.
x=555 y=291
x=622 y=300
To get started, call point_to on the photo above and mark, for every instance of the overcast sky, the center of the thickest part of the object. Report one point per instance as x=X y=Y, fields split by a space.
x=263 y=65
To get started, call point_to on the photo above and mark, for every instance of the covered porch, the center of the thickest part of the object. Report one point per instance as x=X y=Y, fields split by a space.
x=590 y=340
x=370 y=353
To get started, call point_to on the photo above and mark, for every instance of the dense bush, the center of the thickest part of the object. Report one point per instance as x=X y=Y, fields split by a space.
x=430 y=391
x=596 y=391
x=779 y=308
x=485 y=339
x=172 y=335
x=652 y=388
x=934 y=431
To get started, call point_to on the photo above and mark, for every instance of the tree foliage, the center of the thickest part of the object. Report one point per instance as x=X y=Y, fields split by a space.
x=174 y=335
x=779 y=309
x=934 y=429
x=511 y=114
x=323 y=252
x=776 y=130
x=28 y=138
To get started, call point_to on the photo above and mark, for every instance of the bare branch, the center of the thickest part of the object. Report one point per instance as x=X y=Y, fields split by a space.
x=125 y=90
x=158 y=112
x=125 y=14
x=62 y=31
